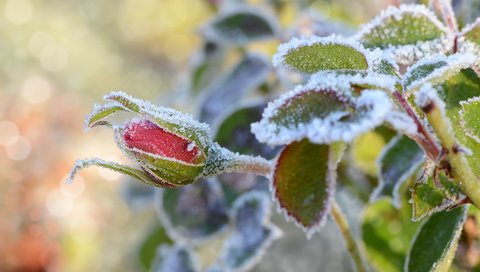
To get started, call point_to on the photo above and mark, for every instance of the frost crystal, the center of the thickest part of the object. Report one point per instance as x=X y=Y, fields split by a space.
x=469 y=131
x=436 y=70
x=391 y=31
x=369 y=110
x=428 y=95
x=402 y=123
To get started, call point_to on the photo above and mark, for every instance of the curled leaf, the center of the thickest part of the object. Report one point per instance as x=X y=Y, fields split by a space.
x=407 y=33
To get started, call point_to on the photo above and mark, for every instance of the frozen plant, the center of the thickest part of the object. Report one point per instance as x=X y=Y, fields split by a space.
x=410 y=71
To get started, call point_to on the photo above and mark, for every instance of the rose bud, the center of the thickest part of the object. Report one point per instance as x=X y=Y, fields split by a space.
x=171 y=148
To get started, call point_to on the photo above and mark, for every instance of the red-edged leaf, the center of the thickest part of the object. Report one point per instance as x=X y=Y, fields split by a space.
x=304 y=182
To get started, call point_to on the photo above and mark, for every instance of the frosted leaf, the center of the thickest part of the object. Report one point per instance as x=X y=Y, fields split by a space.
x=195 y=213
x=101 y=112
x=253 y=232
x=402 y=123
x=469 y=40
x=229 y=89
x=470 y=117
x=240 y=25
x=346 y=81
x=169 y=119
x=303 y=183
x=320 y=115
x=178 y=258
x=429 y=198
x=391 y=174
x=314 y=54
x=436 y=70
x=126 y=170
x=407 y=33
x=434 y=245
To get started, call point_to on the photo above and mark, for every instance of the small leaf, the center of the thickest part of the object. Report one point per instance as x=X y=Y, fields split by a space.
x=176 y=258
x=408 y=33
x=123 y=169
x=470 y=117
x=241 y=25
x=391 y=173
x=429 y=198
x=206 y=66
x=100 y=112
x=321 y=114
x=434 y=245
x=314 y=54
x=436 y=70
x=247 y=75
x=304 y=182
x=195 y=212
x=253 y=233
x=386 y=234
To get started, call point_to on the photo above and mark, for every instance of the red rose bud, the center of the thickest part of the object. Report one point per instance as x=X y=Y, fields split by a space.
x=150 y=138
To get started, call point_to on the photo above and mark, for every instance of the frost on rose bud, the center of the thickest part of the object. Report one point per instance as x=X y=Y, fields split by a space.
x=171 y=148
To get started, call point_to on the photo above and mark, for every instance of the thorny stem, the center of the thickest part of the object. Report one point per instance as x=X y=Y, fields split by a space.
x=425 y=141
x=456 y=164
x=350 y=242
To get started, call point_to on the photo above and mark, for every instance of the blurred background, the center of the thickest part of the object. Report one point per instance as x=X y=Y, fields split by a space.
x=57 y=58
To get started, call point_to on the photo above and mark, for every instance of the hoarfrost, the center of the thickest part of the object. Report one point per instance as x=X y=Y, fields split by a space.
x=371 y=109
x=402 y=123
x=178 y=258
x=101 y=111
x=344 y=81
x=427 y=96
x=408 y=53
x=468 y=130
x=442 y=68
x=295 y=43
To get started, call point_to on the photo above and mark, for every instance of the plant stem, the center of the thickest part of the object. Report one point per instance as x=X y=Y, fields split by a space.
x=255 y=165
x=425 y=141
x=350 y=242
x=456 y=164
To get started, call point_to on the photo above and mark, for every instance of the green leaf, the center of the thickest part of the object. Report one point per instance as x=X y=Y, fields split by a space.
x=206 y=66
x=148 y=249
x=435 y=71
x=470 y=117
x=138 y=174
x=408 y=33
x=195 y=212
x=391 y=173
x=434 y=245
x=229 y=89
x=304 y=181
x=314 y=54
x=462 y=87
x=471 y=32
x=101 y=112
x=321 y=114
x=386 y=234
x=428 y=198
x=241 y=25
